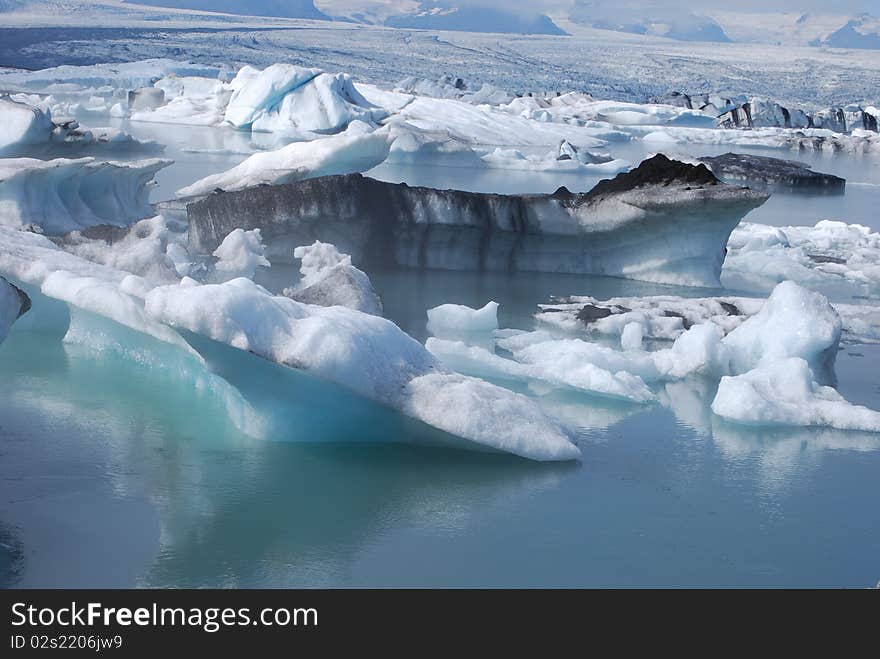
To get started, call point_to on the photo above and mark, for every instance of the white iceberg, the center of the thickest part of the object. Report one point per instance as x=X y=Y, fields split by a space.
x=64 y=195
x=329 y=279
x=365 y=353
x=257 y=91
x=830 y=255
x=362 y=352
x=784 y=393
x=22 y=125
x=240 y=254
x=794 y=322
x=458 y=318
x=793 y=327
x=338 y=154
x=154 y=248
x=326 y=104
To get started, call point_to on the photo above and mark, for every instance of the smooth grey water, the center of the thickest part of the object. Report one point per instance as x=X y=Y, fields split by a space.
x=114 y=474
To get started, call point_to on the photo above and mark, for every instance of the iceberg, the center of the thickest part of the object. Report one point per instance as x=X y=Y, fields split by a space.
x=772 y=173
x=457 y=318
x=329 y=279
x=22 y=125
x=793 y=322
x=338 y=154
x=365 y=353
x=240 y=254
x=63 y=195
x=772 y=356
x=831 y=255
x=257 y=91
x=784 y=393
x=664 y=221
x=326 y=104
x=360 y=352
x=14 y=303
x=154 y=248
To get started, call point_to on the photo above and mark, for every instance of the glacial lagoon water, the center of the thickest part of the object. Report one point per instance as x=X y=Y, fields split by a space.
x=114 y=474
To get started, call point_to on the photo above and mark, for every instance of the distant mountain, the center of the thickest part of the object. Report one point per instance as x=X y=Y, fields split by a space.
x=861 y=32
x=652 y=20
x=280 y=8
x=475 y=19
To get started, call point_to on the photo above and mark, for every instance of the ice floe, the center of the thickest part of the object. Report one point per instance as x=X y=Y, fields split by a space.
x=363 y=352
x=458 y=318
x=750 y=344
x=154 y=248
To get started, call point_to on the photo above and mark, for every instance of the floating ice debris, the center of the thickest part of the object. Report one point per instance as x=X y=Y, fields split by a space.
x=154 y=248
x=457 y=318
x=338 y=154
x=829 y=254
x=784 y=392
x=329 y=279
x=751 y=341
x=240 y=254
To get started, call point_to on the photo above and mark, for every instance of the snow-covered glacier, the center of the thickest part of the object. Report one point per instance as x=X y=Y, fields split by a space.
x=664 y=221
